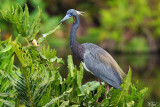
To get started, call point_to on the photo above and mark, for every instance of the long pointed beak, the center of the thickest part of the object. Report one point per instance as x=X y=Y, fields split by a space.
x=65 y=18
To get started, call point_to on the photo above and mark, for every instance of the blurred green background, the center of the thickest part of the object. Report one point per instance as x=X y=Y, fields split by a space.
x=128 y=29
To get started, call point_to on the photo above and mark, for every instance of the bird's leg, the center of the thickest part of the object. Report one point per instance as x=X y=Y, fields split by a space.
x=100 y=82
x=108 y=88
x=97 y=100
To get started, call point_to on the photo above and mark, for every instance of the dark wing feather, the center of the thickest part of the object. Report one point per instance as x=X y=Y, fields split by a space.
x=100 y=63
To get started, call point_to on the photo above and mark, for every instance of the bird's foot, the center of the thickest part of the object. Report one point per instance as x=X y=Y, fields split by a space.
x=97 y=100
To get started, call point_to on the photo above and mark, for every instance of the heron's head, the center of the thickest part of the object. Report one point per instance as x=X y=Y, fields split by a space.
x=69 y=14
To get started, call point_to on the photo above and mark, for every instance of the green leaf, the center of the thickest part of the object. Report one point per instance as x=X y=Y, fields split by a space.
x=7 y=103
x=40 y=40
x=10 y=64
x=57 y=98
x=49 y=54
x=4 y=94
x=143 y=91
x=23 y=56
x=35 y=23
x=26 y=19
x=4 y=15
x=36 y=30
x=70 y=65
x=100 y=90
x=8 y=47
x=105 y=102
x=64 y=104
x=60 y=61
x=140 y=103
x=75 y=106
x=80 y=75
x=126 y=85
x=131 y=104
x=90 y=86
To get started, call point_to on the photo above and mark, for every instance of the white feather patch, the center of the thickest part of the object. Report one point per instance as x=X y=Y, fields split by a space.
x=79 y=12
x=84 y=65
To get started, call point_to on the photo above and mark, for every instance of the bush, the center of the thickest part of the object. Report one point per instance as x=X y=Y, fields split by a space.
x=37 y=81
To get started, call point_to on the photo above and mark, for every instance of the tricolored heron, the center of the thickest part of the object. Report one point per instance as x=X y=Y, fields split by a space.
x=95 y=59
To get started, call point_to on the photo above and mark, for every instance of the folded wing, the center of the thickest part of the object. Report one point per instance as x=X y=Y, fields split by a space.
x=102 y=65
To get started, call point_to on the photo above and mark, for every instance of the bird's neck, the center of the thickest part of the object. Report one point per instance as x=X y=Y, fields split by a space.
x=74 y=30
x=76 y=48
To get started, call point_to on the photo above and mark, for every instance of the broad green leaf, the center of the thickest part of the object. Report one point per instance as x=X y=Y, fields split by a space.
x=105 y=102
x=143 y=91
x=70 y=65
x=80 y=76
x=140 y=103
x=60 y=61
x=4 y=42
x=8 y=47
x=64 y=104
x=100 y=90
x=90 y=86
x=124 y=92
x=10 y=64
x=130 y=104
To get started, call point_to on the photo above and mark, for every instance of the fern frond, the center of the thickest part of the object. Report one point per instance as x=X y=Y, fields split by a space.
x=21 y=20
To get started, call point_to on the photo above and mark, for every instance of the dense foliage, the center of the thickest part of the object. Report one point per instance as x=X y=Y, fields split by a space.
x=37 y=81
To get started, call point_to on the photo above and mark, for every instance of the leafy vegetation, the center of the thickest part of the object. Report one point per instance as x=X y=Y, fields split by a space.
x=37 y=81
x=22 y=22
x=120 y=21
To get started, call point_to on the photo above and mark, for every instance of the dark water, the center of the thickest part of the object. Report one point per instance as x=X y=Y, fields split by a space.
x=145 y=70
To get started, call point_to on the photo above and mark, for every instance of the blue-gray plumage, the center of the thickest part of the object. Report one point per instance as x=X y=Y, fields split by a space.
x=95 y=59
